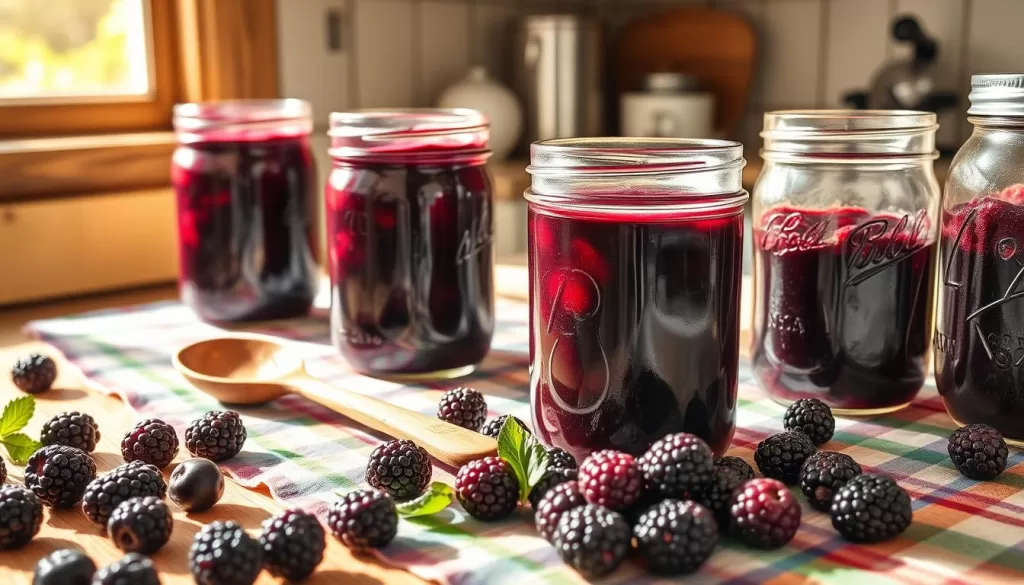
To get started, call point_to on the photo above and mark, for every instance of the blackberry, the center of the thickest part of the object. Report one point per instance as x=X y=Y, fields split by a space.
x=823 y=473
x=293 y=544
x=737 y=465
x=781 y=456
x=196 y=485
x=978 y=451
x=73 y=429
x=493 y=428
x=131 y=480
x=3 y=472
x=552 y=477
x=64 y=567
x=559 y=500
x=35 y=373
x=717 y=494
x=811 y=417
x=764 y=513
x=21 y=515
x=678 y=466
x=217 y=436
x=676 y=537
x=59 y=475
x=363 y=519
x=151 y=441
x=871 y=508
x=141 y=525
x=223 y=554
x=131 y=569
x=464 y=407
x=487 y=488
x=558 y=457
x=611 y=479
x=592 y=539
x=400 y=468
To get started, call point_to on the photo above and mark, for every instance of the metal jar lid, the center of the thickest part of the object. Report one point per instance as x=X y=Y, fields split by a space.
x=1000 y=94
x=840 y=133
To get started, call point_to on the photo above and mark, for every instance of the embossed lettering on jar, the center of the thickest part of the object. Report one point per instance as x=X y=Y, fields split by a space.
x=844 y=239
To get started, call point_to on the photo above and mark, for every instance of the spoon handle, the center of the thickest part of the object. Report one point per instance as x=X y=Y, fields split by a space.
x=444 y=441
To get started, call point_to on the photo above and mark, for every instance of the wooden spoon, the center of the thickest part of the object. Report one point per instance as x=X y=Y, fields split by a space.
x=254 y=370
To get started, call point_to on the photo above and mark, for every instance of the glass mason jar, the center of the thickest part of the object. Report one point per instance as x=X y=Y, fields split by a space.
x=979 y=331
x=844 y=245
x=248 y=209
x=409 y=238
x=635 y=263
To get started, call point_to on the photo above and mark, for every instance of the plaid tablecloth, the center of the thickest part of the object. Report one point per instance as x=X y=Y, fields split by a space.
x=963 y=531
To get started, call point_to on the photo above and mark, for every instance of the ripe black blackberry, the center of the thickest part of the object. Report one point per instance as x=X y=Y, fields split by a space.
x=823 y=473
x=131 y=569
x=678 y=466
x=66 y=566
x=363 y=519
x=59 y=475
x=3 y=472
x=493 y=427
x=717 y=494
x=611 y=479
x=464 y=407
x=487 y=488
x=559 y=500
x=21 y=515
x=217 y=436
x=151 y=441
x=978 y=451
x=558 y=457
x=131 y=480
x=736 y=465
x=765 y=514
x=35 y=373
x=781 y=456
x=676 y=537
x=871 y=508
x=73 y=429
x=552 y=477
x=141 y=525
x=592 y=539
x=293 y=544
x=811 y=417
x=400 y=468
x=223 y=554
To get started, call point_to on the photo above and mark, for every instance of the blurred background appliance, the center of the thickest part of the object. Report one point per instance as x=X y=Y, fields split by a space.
x=672 y=105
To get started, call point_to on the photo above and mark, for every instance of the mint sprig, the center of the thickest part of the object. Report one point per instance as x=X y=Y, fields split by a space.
x=16 y=415
x=437 y=497
x=524 y=453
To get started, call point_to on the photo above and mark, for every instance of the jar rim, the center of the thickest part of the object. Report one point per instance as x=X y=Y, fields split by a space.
x=849 y=133
x=998 y=95
x=242 y=120
x=409 y=134
x=631 y=155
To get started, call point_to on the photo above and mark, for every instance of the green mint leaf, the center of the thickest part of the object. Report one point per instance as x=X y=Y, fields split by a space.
x=526 y=456
x=537 y=465
x=16 y=415
x=20 y=446
x=437 y=497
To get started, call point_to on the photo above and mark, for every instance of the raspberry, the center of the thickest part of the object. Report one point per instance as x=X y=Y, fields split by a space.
x=217 y=436
x=131 y=569
x=823 y=473
x=558 y=457
x=487 y=488
x=781 y=456
x=223 y=554
x=151 y=441
x=131 y=480
x=493 y=428
x=871 y=508
x=21 y=515
x=196 y=485
x=591 y=539
x=737 y=465
x=676 y=537
x=464 y=407
x=59 y=475
x=559 y=500
x=552 y=477
x=611 y=479
x=717 y=495
x=363 y=519
x=141 y=525
x=400 y=468
x=34 y=374
x=293 y=544
x=978 y=451
x=677 y=466
x=764 y=513
x=811 y=417
x=64 y=567
x=72 y=429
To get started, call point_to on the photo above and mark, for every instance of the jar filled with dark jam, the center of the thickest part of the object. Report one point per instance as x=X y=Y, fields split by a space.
x=248 y=209
x=409 y=228
x=845 y=225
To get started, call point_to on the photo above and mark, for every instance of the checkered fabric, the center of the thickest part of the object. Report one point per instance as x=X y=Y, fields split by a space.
x=963 y=531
